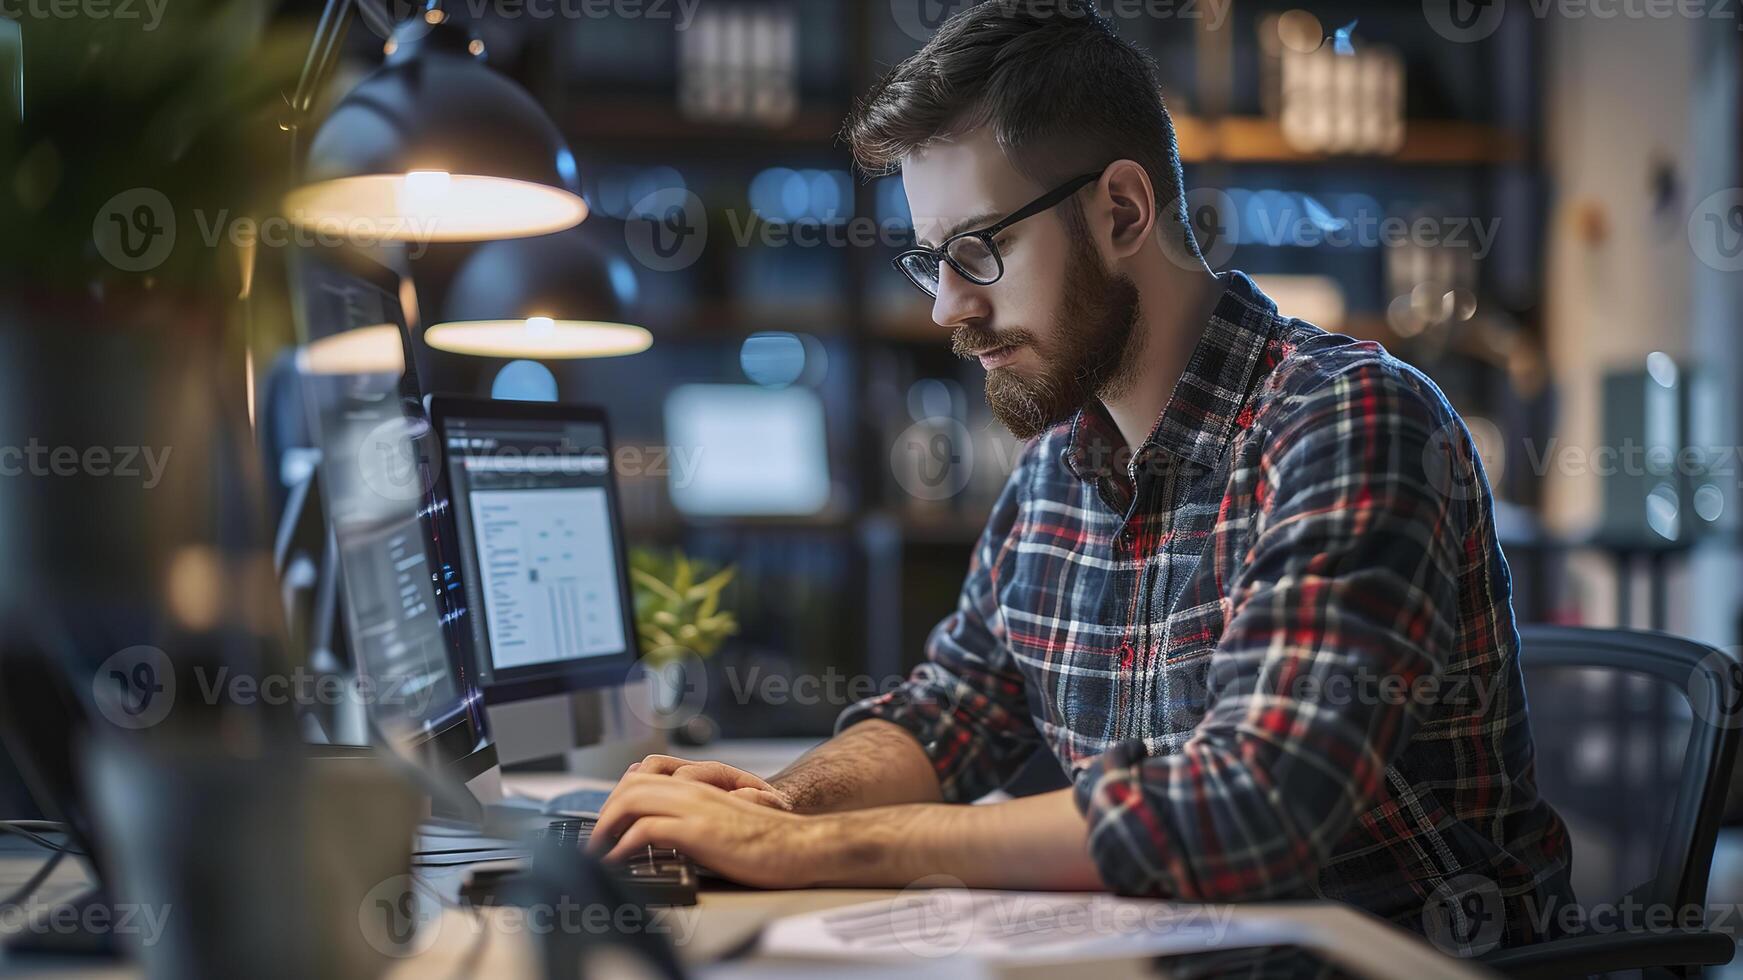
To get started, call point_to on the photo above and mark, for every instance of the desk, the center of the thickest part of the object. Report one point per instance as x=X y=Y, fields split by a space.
x=495 y=944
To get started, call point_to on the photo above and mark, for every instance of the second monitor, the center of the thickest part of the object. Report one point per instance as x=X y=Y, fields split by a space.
x=541 y=544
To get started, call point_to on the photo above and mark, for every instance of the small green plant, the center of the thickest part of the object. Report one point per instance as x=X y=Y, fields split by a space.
x=676 y=613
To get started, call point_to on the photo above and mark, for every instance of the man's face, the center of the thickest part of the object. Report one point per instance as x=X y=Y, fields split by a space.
x=1058 y=328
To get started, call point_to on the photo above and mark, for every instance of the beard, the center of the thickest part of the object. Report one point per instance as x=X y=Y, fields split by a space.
x=1092 y=351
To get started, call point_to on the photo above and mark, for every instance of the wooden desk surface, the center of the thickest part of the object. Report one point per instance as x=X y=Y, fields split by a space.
x=728 y=920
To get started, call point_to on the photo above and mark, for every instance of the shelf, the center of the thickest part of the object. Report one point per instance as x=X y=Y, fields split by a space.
x=1230 y=139
x=658 y=122
x=1253 y=139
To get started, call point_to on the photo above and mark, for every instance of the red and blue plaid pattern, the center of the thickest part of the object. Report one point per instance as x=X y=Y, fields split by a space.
x=1274 y=648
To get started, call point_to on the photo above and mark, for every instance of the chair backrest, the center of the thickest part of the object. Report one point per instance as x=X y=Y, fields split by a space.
x=1660 y=716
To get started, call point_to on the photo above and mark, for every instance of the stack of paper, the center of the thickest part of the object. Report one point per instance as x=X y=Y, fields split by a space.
x=1028 y=927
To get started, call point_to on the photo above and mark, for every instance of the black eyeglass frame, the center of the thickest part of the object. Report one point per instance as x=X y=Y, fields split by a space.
x=941 y=252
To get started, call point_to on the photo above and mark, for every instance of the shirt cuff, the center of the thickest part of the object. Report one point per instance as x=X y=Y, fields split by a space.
x=1125 y=841
x=925 y=717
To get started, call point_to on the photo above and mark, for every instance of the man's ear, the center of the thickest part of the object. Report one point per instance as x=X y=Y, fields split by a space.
x=1133 y=204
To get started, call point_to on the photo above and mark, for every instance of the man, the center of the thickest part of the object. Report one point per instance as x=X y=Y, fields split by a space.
x=1271 y=645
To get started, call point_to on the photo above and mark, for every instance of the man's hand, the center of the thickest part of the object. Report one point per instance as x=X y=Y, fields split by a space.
x=727 y=832
x=744 y=785
x=1038 y=842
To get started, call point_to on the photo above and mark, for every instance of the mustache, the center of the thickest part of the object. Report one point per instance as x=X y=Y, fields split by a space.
x=966 y=341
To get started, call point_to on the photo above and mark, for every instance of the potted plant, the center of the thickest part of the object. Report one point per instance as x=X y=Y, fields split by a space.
x=680 y=622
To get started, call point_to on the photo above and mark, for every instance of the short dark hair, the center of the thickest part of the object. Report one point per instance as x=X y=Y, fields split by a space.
x=1063 y=93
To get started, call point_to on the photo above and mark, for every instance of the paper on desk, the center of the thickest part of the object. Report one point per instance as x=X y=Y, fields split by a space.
x=1030 y=927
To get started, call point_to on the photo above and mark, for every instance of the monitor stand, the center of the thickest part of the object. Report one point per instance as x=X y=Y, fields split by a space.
x=594 y=733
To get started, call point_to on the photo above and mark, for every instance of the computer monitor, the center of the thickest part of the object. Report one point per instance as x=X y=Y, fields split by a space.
x=543 y=555
x=754 y=451
x=405 y=615
x=541 y=545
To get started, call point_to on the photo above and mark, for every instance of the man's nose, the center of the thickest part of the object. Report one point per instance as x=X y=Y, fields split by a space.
x=958 y=301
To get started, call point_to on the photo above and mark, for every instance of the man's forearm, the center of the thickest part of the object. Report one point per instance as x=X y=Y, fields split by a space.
x=872 y=764
x=1037 y=842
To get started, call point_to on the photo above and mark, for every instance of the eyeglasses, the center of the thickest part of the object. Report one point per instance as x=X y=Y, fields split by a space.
x=973 y=254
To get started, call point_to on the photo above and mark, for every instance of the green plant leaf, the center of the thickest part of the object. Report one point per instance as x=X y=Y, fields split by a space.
x=654 y=585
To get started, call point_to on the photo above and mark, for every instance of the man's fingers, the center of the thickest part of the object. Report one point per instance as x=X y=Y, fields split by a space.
x=647 y=832
x=717 y=774
x=660 y=765
x=762 y=797
x=637 y=796
x=653 y=765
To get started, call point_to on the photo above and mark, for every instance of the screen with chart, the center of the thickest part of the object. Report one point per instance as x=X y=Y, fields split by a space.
x=401 y=610
x=541 y=545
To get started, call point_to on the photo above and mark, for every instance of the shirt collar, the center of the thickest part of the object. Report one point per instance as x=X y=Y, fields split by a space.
x=1196 y=423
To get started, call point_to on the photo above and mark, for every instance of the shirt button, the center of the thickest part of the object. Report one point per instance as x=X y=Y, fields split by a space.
x=1125 y=539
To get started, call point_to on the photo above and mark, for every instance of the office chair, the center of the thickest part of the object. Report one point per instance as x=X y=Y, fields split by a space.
x=1636 y=736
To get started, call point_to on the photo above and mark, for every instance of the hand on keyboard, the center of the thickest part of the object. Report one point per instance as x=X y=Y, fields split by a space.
x=734 y=838
x=742 y=784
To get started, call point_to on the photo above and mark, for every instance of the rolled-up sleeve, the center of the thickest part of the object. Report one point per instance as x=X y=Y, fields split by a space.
x=1348 y=591
x=966 y=704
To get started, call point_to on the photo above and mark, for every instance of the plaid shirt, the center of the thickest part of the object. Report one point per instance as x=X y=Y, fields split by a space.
x=1274 y=648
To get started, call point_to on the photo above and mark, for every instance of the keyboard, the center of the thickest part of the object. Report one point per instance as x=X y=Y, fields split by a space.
x=657 y=876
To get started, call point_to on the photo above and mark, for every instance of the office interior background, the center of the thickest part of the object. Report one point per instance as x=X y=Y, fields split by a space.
x=1540 y=205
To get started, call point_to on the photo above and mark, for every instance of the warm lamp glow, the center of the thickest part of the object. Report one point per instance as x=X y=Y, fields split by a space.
x=432 y=206
x=366 y=350
x=539 y=337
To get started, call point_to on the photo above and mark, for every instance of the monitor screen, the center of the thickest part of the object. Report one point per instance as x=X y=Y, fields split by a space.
x=403 y=609
x=755 y=452
x=541 y=545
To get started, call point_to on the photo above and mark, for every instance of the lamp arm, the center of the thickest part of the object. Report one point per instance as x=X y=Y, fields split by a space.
x=317 y=68
x=324 y=53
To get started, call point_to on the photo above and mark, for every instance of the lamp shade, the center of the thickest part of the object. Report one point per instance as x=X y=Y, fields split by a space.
x=434 y=146
x=551 y=297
